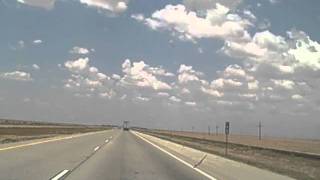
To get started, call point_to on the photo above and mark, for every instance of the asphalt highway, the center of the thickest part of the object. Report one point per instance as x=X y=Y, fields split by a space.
x=114 y=154
x=117 y=155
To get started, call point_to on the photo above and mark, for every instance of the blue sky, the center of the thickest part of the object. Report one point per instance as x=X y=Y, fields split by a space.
x=163 y=64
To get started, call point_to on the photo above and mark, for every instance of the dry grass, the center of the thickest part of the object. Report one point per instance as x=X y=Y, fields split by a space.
x=300 y=145
x=247 y=150
x=15 y=133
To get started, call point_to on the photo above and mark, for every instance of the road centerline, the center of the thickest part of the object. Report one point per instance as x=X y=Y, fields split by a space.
x=96 y=148
x=60 y=175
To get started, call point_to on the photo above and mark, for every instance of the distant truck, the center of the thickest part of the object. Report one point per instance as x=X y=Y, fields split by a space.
x=125 y=126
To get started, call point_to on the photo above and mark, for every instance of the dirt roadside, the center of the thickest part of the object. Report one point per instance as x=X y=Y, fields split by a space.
x=294 y=165
x=18 y=133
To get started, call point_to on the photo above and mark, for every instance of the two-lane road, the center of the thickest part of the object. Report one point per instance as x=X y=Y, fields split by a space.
x=129 y=157
x=95 y=156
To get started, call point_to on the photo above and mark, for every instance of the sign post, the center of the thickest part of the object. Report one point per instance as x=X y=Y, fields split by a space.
x=227 y=128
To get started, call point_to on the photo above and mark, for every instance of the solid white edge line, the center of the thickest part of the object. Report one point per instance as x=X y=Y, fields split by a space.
x=60 y=175
x=96 y=149
x=177 y=158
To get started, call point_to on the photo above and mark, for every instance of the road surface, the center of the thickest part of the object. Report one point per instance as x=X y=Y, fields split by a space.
x=107 y=155
x=96 y=156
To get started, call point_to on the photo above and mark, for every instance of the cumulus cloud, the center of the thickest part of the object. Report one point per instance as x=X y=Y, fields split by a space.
x=287 y=84
x=174 y=99
x=79 y=50
x=35 y=66
x=305 y=50
x=188 y=103
x=17 y=75
x=142 y=75
x=46 y=4
x=77 y=65
x=87 y=80
x=256 y=85
x=217 y=23
x=275 y=68
x=258 y=47
x=138 y=17
x=187 y=74
x=111 y=5
x=37 y=41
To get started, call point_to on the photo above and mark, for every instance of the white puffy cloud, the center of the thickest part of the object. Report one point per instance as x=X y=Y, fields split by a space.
x=287 y=84
x=163 y=94
x=37 y=41
x=235 y=71
x=46 y=4
x=185 y=77
x=253 y=85
x=142 y=75
x=283 y=68
x=249 y=14
x=77 y=65
x=212 y=92
x=190 y=103
x=17 y=75
x=187 y=74
x=217 y=23
x=297 y=97
x=138 y=17
x=116 y=76
x=79 y=50
x=263 y=44
x=111 y=5
x=306 y=51
x=35 y=66
x=174 y=99
x=87 y=80
x=140 y=98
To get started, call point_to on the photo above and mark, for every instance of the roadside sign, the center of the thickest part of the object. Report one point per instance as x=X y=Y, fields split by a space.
x=227 y=128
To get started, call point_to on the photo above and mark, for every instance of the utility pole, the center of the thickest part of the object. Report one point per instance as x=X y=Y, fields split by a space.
x=192 y=128
x=260 y=130
x=209 y=130
x=217 y=128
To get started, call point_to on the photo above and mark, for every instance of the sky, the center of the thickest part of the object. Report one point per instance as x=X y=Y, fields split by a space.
x=169 y=64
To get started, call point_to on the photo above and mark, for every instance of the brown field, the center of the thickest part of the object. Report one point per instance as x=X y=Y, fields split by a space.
x=300 y=145
x=15 y=130
x=274 y=154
